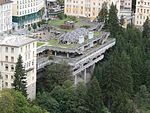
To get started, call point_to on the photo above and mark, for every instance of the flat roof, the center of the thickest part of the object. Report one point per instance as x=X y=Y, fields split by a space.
x=15 y=40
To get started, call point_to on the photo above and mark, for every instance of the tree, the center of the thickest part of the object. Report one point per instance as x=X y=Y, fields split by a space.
x=56 y=74
x=34 y=26
x=6 y=102
x=20 y=82
x=45 y=101
x=117 y=77
x=29 y=28
x=103 y=14
x=142 y=99
x=94 y=97
x=146 y=28
x=113 y=23
x=12 y=101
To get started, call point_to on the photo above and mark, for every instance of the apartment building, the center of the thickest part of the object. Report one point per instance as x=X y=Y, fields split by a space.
x=126 y=8
x=91 y=8
x=142 y=12
x=11 y=46
x=5 y=15
x=26 y=12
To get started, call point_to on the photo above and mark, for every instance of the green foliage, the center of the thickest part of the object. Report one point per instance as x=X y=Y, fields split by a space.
x=62 y=16
x=142 y=99
x=56 y=74
x=113 y=23
x=47 y=102
x=34 y=26
x=103 y=14
x=6 y=102
x=29 y=28
x=20 y=77
x=94 y=97
x=12 y=101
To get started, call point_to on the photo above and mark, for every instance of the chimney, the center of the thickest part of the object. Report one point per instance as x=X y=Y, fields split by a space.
x=90 y=35
x=81 y=39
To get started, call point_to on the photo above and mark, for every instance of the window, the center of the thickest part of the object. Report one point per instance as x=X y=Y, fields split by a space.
x=6 y=67
x=12 y=77
x=6 y=76
x=6 y=58
x=12 y=50
x=6 y=49
x=6 y=84
x=12 y=59
x=12 y=68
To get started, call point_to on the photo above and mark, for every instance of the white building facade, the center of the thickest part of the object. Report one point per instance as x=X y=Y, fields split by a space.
x=142 y=12
x=10 y=48
x=27 y=12
x=5 y=15
x=91 y=8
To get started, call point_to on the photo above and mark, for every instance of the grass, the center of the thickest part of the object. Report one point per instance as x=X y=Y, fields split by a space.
x=59 y=22
x=40 y=44
x=97 y=33
x=55 y=43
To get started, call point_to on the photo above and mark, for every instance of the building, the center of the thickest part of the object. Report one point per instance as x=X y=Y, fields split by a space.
x=26 y=12
x=11 y=46
x=53 y=8
x=91 y=8
x=81 y=49
x=126 y=8
x=142 y=12
x=5 y=15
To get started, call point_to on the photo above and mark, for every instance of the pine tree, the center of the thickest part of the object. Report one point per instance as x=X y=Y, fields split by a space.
x=94 y=97
x=113 y=23
x=20 y=77
x=117 y=77
x=103 y=14
x=146 y=28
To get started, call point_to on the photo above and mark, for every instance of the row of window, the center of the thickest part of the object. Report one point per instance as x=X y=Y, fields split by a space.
x=28 y=47
x=27 y=11
x=12 y=68
x=144 y=3
x=25 y=1
x=9 y=77
x=28 y=64
x=26 y=6
x=139 y=10
x=7 y=59
x=141 y=17
x=139 y=22
x=7 y=49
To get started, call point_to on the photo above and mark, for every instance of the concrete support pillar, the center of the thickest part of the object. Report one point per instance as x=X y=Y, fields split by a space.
x=55 y=53
x=67 y=55
x=85 y=76
x=75 y=79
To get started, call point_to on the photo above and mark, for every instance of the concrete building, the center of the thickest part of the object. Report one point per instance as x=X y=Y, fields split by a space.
x=91 y=8
x=81 y=49
x=11 y=46
x=26 y=12
x=5 y=15
x=142 y=12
